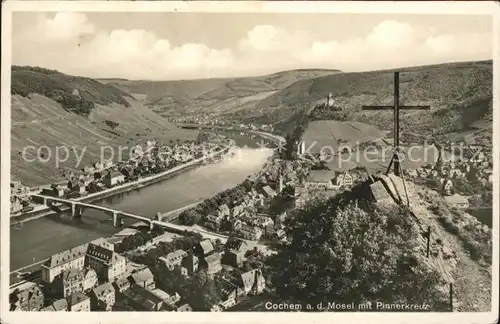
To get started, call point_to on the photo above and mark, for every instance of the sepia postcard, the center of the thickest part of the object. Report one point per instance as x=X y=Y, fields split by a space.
x=249 y=161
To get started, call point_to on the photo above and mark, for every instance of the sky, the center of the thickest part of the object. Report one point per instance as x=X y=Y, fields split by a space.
x=187 y=45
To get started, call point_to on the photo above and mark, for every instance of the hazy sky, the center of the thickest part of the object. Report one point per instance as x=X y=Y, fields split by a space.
x=166 y=46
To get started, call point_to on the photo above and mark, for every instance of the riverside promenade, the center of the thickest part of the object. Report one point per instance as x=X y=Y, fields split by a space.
x=45 y=211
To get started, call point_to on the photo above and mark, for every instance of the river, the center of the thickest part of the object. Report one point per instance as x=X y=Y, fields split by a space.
x=38 y=239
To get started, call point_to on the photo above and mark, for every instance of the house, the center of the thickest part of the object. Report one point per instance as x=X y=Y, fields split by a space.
x=27 y=297
x=143 y=278
x=88 y=169
x=142 y=299
x=445 y=186
x=191 y=263
x=121 y=284
x=98 y=166
x=320 y=179
x=250 y=232
x=77 y=185
x=107 y=164
x=479 y=157
x=61 y=305
x=168 y=298
x=114 y=241
x=238 y=209
x=344 y=179
x=422 y=172
x=212 y=263
x=268 y=192
x=253 y=282
x=70 y=259
x=54 y=191
x=89 y=279
x=184 y=308
x=173 y=259
x=107 y=264
x=79 y=302
x=280 y=235
x=234 y=252
x=15 y=204
x=103 y=242
x=102 y=297
x=412 y=173
x=224 y=210
x=68 y=282
x=456 y=173
x=457 y=201
x=113 y=178
x=203 y=248
x=213 y=222
x=263 y=220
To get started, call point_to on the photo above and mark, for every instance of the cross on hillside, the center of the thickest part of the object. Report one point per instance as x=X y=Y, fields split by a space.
x=396 y=107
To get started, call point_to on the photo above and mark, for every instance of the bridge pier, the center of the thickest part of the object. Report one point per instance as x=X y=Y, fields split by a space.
x=117 y=219
x=151 y=225
x=76 y=210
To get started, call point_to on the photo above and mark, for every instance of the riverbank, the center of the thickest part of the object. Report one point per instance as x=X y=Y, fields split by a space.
x=140 y=183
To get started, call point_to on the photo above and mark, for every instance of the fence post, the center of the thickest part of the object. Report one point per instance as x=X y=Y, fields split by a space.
x=451 y=297
x=428 y=240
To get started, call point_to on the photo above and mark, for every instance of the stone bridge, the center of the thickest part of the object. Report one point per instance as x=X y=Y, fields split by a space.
x=77 y=208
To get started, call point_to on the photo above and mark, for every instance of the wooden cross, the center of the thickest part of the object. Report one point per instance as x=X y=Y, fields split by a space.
x=396 y=107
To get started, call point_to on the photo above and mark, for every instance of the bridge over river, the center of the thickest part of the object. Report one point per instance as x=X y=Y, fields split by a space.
x=77 y=208
x=277 y=139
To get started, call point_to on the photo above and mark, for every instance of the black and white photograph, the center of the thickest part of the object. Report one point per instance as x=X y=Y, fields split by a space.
x=249 y=157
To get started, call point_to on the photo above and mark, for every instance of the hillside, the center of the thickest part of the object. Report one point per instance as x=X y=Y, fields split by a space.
x=42 y=114
x=460 y=96
x=226 y=96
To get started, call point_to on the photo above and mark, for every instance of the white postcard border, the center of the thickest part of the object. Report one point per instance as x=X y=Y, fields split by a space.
x=458 y=8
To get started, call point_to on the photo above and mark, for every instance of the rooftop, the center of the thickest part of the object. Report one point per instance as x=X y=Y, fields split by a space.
x=268 y=190
x=72 y=274
x=24 y=286
x=60 y=304
x=457 y=199
x=66 y=256
x=77 y=298
x=142 y=296
x=103 y=290
x=142 y=275
x=213 y=258
x=206 y=246
x=321 y=176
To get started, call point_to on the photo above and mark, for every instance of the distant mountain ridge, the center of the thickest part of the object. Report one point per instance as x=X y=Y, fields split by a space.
x=460 y=96
x=61 y=87
x=213 y=96
x=56 y=110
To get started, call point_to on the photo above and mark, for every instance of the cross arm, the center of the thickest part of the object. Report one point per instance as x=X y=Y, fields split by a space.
x=392 y=107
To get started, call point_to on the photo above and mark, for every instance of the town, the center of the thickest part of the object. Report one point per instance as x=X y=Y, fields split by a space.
x=143 y=269
x=148 y=159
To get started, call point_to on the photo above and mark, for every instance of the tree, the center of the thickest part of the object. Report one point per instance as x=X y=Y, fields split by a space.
x=360 y=254
x=190 y=217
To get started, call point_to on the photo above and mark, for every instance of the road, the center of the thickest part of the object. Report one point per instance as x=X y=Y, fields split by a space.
x=144 y=179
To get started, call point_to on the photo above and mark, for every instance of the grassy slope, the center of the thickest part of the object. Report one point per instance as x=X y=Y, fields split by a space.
x=229 y=96
x=38 y=120
x=460 y=96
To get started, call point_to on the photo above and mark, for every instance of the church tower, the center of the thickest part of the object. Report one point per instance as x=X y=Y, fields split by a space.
x=329 y=100
x=301 y=148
